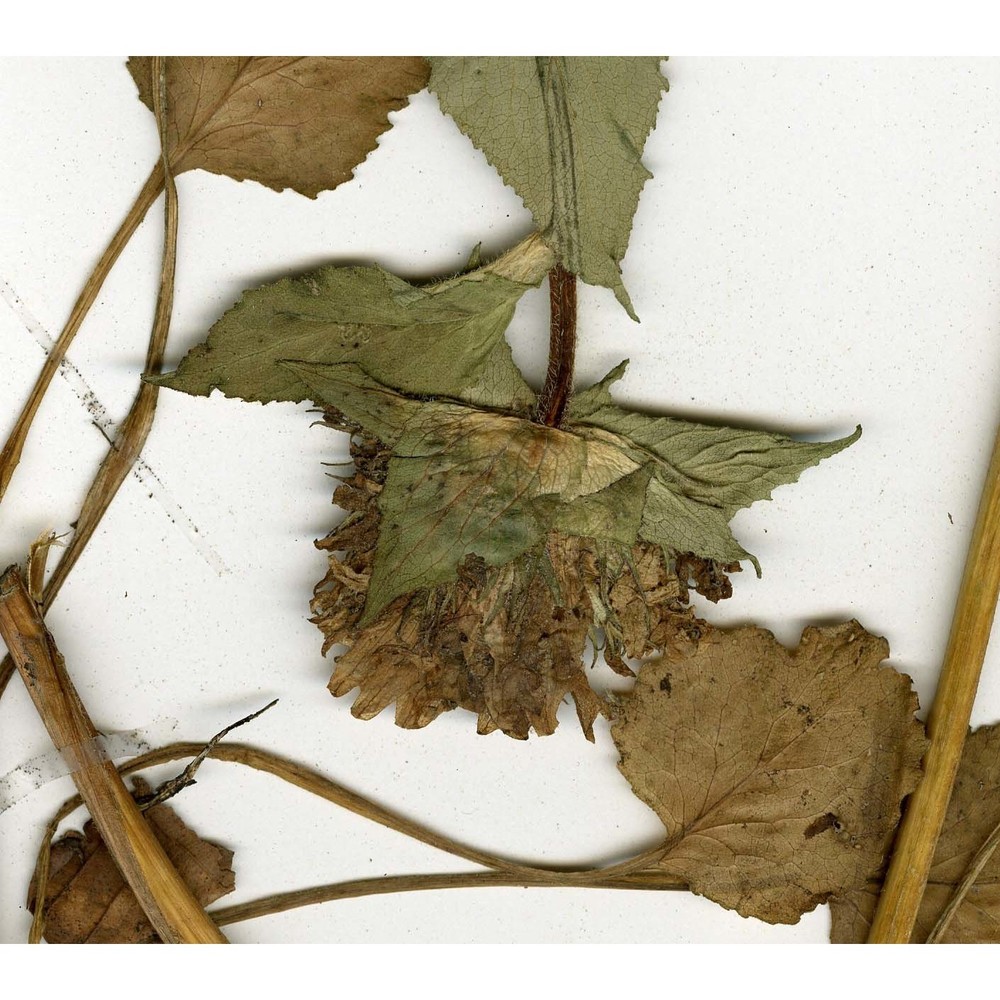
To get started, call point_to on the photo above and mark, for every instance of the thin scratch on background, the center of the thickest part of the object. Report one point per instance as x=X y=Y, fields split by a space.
x=98 y=413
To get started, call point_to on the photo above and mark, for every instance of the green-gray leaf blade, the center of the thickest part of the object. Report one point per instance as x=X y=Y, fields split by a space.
x=444 y=339
x=466 y=481
x=363 y=400
x=567 y=134
x=445 y=499
x=701 y=475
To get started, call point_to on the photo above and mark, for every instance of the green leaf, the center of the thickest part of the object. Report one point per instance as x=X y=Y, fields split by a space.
x=567 y=134
x=428 y=372
x=382 y=411
x=593 y=398
x=442 y=339
x=465 y=481
x=701 y=475
x=613 y=514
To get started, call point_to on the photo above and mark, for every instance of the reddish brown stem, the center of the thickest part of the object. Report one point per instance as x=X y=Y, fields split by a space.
x=558 y=385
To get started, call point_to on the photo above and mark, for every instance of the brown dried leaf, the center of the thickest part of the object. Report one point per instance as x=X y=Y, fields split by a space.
x=497 y=643
x=503 y=642
x=87 y=900
x=302 y=123
x=778 y=773
x=973 y=813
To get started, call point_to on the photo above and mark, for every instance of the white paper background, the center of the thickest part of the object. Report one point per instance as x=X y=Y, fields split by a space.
x=819 y=247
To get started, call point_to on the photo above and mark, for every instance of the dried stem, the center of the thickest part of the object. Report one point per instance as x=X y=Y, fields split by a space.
x=630 y=874
x=6 y=672
x=947 y=724
x=558 y=385
x=11 y=453
x=976 y=865
x=186 y=778
x=163 y=895
x=284 y=901
x=317 y=784
x=134 y=430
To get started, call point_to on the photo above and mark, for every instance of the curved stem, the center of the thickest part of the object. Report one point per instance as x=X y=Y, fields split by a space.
x=325 y=788
x=135 y=428
x=11 y=453
x=284 y=901
x=558 y=386
x=630 y=870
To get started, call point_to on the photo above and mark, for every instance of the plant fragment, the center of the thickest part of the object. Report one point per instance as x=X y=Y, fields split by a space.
x=973 y=813
x=506 y=643
x=467 y=487
x=445 y=338
x=302 y=123
x=463 y=482
x=484 y=546
x=947 y=722
x=88 y=902
x=164 y=896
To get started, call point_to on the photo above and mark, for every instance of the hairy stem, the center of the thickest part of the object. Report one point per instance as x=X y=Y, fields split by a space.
x=11 y=453
x=163 y=895
x=558 y=385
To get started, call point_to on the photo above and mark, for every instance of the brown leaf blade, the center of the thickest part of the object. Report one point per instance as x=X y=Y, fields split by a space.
x=87 y=900
x=303 y=123
x=973 y=813
x=778 y=773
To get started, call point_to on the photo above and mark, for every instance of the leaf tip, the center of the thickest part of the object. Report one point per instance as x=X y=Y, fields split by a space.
x=616 y=374
x=626 y=302
x=845 y=442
